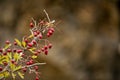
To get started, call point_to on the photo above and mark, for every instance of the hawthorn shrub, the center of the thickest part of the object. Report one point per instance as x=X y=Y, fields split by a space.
x=14 y=60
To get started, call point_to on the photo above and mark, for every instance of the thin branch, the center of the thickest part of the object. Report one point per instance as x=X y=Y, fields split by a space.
x=47 y=15
x=34 y=65
x=22 y=67
x=30 y=66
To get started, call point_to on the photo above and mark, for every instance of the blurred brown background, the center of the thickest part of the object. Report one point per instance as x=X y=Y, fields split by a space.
x=86 y=44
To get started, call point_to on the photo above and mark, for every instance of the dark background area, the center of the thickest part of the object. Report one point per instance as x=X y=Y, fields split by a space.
x=86 y=44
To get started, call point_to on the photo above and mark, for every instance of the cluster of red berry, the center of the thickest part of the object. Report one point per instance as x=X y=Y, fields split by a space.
x=14 y=57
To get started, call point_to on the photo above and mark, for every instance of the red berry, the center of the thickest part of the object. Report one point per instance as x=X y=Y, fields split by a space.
x=1 y=50
x=9 y=50
x=37 y=78
x=34 y=42
x=35 y=33
x=15 y=43
x=36 y=53
x=31 y=61
x=27 y=63
x=36 y=68
x=23 y=54
x=52 y=29
x=5 y=53
x=39 y=51
x=31 y=25
x=50 y=46
x=42 y=49
x=5 y=63
x=24 y=69
x=1 y=68
x=26 y=40
x=14 y=50
x=48 y=34
x=12 y=61
x=30 y=44
x=7 y=42
x=46 y=52
x=40 y=36
x=28 y=47
x=38 y=32
x=19 y=51
x=45 y=47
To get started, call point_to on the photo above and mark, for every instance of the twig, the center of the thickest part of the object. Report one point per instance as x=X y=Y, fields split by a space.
x=22 y=67
x=30 y=66
x=47 y=15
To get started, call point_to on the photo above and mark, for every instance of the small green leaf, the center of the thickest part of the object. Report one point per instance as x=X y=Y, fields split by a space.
x=13 y=75
x=4 y=58
x=7 y=46
x=17 y=57
x=34 y=56
x=12 y=66
x=4 y=74
x=17 y=68
x=23 y=43
x=9 y=55
x=32 y=50
x=21 y=75
x=31 y=36
x=7 y=59
x=18 y=42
